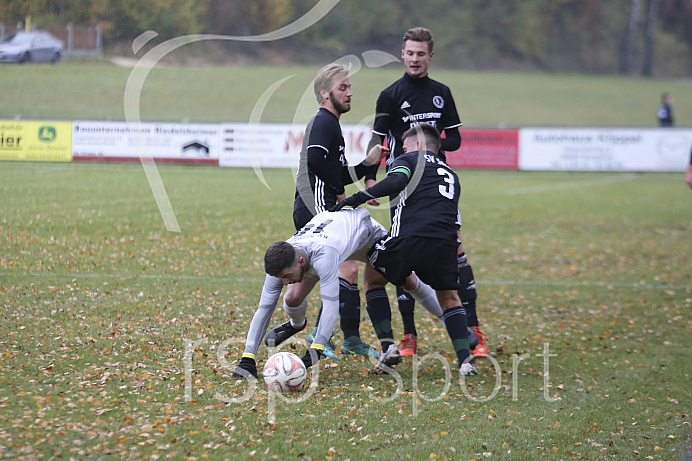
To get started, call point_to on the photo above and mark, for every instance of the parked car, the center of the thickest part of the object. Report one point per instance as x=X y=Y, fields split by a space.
x=30 y=46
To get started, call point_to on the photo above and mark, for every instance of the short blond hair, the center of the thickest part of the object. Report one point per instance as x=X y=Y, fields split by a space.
x=326 y=77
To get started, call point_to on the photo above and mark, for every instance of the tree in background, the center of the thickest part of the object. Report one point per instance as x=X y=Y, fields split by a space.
x=592 y=36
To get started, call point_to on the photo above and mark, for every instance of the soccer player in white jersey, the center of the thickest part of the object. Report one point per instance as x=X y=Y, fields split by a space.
x=314 y=254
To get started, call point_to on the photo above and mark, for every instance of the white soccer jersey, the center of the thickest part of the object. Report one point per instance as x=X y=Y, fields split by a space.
x=328 y=240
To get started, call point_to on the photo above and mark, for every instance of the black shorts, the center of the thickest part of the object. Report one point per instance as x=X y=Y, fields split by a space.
x=301 y=216
x=434 y=260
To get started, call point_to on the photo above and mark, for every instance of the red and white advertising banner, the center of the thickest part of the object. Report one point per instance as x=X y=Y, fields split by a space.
x=164 y=142
x=604 y=149
x=486 y=148
x=277 y=145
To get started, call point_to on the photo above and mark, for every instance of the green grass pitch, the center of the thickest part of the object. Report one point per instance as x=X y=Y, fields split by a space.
x=117 y=338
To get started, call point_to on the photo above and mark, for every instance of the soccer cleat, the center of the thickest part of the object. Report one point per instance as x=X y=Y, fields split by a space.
x=408 y=346
x=467 y=369
x=387 y=359
x=279 y=334
x=355 y=345
x=481 y=349
x=329 y=348
x=245 y=368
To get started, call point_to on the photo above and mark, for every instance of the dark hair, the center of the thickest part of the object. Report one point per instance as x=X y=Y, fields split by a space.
x=426 y=133
x=419 y=34
x=279 y=256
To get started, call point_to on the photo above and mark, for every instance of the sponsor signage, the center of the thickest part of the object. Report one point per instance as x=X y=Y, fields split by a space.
x=164 y=142
x=269 y=145
x=593 y=149
x=48 y=141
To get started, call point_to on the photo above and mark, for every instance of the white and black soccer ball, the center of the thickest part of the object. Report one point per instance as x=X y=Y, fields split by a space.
x=284 y=372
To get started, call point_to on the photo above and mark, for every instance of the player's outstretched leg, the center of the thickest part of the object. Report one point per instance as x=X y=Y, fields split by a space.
x=381 y=317
x=455 y=323
x=468 y=296
x=281 y=333
x=407 y=308
x=349 y=311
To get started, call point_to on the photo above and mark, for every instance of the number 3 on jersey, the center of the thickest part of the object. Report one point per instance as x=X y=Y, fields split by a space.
x=447 y=191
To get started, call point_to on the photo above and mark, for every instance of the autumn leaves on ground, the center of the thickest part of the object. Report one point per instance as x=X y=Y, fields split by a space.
x=118 y=339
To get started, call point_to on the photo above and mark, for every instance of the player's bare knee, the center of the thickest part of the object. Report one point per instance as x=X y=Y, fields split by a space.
x=349 y=272
x=373 y=279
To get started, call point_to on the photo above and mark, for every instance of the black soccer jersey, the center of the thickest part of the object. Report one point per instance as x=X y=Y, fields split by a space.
x=322 y=159
x=428 y=206
x=410 y=101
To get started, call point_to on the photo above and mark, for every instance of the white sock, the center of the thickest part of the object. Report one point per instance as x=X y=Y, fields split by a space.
x=297 y=314
x=426 y=297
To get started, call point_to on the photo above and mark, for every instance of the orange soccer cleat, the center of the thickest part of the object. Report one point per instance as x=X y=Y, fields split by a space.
x=408 y=345
x=481 y=349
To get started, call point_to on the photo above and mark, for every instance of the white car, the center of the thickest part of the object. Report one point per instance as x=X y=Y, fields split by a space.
x=31 y=46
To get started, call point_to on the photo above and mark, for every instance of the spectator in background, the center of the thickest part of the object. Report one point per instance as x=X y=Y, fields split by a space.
x=689 y=171
x=665 y=111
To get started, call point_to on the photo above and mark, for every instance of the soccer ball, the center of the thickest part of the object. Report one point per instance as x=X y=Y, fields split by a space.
x=284 y=372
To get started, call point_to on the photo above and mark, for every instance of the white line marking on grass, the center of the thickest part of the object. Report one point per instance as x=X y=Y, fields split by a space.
x=648 y=286
x=260 y=278
x=571 y=185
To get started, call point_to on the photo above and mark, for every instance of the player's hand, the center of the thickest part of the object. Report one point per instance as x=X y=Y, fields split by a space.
x=352 y=201
x=246 y=368
x=376 y=154
x=372 y=201
x=688 y=175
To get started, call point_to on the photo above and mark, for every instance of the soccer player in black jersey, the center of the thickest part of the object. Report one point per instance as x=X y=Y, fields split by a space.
x=688 y=173
x=322 y=174
x=416 y=98
x=423 y=235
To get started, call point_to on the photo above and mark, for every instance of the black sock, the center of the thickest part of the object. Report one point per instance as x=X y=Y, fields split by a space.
x=455 y=322
x=407 y=306
x=467 y=291
x=349 y=308
x=380 y=315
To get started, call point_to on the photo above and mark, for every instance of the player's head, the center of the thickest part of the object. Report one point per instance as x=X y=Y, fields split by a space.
x=422 y=137
x=417 y=51
x=333 y=87
x=283 y=261
x=665 y=97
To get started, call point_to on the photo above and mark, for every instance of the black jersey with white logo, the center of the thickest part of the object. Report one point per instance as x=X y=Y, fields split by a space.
x=319 y=179
x=410 y=101
x=428 y=206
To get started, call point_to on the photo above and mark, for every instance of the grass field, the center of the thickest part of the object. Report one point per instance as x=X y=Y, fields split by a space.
x=117 y=339
x=95 y=90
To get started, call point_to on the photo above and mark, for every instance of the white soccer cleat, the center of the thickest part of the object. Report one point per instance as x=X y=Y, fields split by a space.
x=387 y=359
x=467 y=369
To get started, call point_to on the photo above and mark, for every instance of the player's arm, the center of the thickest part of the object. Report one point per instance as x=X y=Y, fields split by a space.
x=395 y=182
x=325 y=169
x=368 y=167
x=267 y=304
x=452 y=140
x=258 y=327
x=326 y=265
